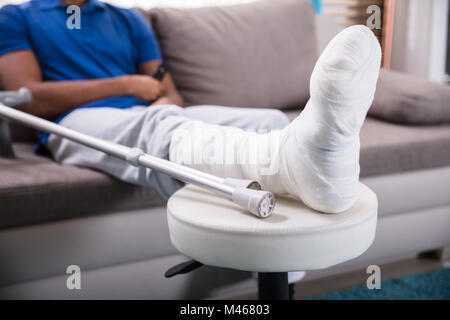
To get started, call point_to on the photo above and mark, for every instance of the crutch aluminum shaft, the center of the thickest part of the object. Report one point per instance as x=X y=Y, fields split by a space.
x=258 y=202
x=119 y=151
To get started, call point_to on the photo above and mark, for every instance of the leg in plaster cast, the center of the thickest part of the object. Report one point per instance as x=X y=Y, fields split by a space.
x=316 y=157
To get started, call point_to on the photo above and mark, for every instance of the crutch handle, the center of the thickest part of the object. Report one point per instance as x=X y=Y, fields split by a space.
x=15 y=98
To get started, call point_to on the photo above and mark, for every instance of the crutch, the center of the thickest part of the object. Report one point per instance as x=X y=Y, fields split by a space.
x=245 y=193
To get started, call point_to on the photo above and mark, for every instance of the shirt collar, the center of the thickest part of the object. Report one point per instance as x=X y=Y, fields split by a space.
x=53 y=4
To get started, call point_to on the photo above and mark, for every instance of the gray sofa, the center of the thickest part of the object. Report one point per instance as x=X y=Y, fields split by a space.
x=53 y=216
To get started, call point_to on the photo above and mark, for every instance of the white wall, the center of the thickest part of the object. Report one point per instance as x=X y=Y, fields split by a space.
x=155 y=3
x=420 y=38
x=172 y=3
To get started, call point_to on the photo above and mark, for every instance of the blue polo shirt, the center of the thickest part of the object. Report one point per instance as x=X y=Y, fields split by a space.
x=111 y=42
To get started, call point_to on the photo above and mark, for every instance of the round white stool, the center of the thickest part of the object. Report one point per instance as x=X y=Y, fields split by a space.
x=214 y=231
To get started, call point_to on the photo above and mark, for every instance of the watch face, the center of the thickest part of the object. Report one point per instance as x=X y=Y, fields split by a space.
x=160 y=72
x=266 y=206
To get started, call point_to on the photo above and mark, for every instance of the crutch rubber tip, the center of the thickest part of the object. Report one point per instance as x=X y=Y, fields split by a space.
x=260 y=203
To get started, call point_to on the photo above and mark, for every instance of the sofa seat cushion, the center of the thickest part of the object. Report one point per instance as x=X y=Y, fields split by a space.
x=35 y=189
x=393 y=148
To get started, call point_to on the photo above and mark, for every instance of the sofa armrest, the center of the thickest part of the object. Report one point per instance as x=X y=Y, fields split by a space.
x=5 y=140
x=12 y=99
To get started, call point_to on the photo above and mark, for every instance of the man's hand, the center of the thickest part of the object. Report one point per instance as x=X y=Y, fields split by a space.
x=143 y=87
x=170 y=94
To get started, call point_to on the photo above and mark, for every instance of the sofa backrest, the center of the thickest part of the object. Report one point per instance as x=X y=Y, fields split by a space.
x=258 y=54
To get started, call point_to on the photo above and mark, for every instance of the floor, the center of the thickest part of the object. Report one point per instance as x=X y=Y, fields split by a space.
x=309 y=288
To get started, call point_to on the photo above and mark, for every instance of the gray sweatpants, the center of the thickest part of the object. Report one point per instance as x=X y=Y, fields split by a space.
x=150 y=129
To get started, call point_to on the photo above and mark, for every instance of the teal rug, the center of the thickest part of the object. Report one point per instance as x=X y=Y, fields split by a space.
x=434 y=285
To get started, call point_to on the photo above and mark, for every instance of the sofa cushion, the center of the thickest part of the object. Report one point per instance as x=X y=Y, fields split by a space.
x=257 y=54
x=392 y=148
x=34 y=189
x=408 y=99
x=5 y=139
x=21 y=133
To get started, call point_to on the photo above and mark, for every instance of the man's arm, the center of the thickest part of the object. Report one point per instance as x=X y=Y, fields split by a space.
x=51 y=98
x=170 y=94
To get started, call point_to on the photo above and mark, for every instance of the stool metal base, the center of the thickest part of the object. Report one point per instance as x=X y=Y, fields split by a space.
x=273 y=286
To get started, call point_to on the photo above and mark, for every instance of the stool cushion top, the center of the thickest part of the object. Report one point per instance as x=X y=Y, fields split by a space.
x=213 y=230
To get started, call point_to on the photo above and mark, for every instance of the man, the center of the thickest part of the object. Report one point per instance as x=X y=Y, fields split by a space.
x=96 y=80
